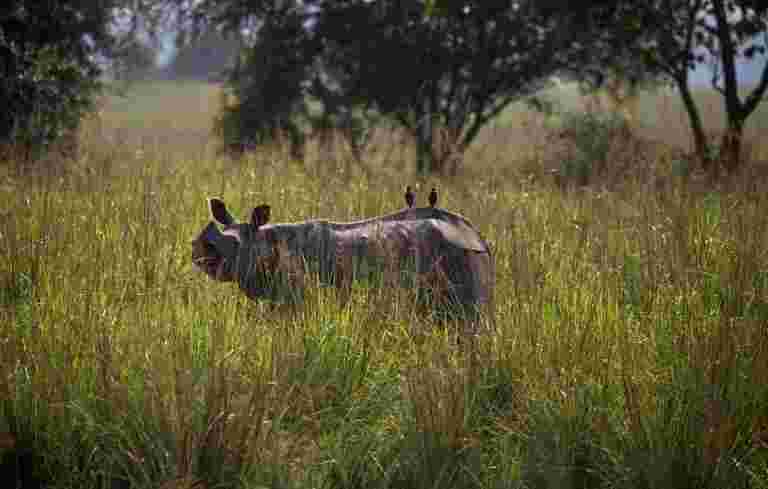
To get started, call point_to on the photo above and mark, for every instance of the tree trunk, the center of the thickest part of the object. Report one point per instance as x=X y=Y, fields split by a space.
x=422 y=156
x=424 y=143
x=701 y=145
x=435 y=154
x=730 y=153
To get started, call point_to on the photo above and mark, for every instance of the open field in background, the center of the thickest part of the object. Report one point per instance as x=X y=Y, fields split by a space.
x=628 y=348
x=178 y=115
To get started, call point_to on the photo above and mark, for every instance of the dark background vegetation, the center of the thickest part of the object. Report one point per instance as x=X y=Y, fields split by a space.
x=440 y=71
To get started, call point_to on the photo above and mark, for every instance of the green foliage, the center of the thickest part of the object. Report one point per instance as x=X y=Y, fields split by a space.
x=588 y=137
x=134 y=61
x=456 y=71
x=592 y=135
x=267 y=87
x=49 y=69
x=574 y=445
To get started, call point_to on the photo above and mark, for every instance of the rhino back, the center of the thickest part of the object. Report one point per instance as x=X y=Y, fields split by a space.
x=453 y=227
x=425 y=238
x=431 y=245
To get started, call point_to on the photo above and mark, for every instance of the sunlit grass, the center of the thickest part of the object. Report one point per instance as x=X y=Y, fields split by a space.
x=628 y=346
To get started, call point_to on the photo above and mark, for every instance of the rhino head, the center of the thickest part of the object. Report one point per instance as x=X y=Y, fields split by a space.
x=429 y=248
x=247 y=252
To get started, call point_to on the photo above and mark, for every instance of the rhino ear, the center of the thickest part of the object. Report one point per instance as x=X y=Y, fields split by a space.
x=260 y=215
x=219 y=212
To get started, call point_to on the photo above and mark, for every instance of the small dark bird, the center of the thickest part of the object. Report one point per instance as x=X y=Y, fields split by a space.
x=410 y=198
x=433 y=197
x=260 y=215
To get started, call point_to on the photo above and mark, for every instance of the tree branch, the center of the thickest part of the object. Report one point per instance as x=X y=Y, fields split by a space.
x=727 y=56
x=481 y=120
x=758 y=93
x=715 y=81
x=691 y=26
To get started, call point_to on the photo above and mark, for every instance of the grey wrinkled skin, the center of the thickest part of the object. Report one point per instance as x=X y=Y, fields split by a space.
x=434 y=250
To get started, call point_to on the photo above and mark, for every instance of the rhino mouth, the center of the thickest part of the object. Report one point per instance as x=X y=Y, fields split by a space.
x=206 y=258
x=211 y=252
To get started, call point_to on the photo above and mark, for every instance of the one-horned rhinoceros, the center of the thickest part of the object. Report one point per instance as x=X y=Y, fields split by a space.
x=437 y=251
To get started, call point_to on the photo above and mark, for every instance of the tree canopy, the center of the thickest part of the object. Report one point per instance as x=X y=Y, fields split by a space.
x=440 y=77
x=48 y=66
x=440 y=69
x=52 y=54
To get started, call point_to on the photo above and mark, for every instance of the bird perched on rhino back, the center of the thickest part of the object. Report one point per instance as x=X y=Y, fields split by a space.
x=261 y=215
x=433 y=197
x=410 y=198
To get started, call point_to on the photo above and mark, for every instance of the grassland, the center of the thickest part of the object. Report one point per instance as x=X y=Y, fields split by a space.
x=628 y=348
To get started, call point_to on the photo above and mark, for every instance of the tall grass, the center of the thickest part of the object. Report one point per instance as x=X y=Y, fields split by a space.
x=628 y=347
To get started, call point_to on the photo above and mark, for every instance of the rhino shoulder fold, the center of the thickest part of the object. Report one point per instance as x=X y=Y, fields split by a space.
x=461 y=235
x=455 y=228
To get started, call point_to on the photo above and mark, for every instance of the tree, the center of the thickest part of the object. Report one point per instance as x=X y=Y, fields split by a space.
x=731 y=37
x=48 y=67
x=52 y=54
x=135 y=61
x=269 y=84
x=669 y=38
x=440 y=77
